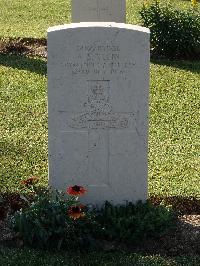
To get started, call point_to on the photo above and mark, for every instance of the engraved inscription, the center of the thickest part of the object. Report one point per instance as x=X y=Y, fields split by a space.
x=100 y=59
x=98 y=110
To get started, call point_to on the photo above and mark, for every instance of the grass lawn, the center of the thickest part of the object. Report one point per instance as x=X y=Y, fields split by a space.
x=174 y=162
x=27 y=18
x=174 y=124
x=26 y=257
x=24 y=123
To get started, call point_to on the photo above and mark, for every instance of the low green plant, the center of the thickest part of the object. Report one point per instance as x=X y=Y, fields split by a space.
x=53 y=221
x=133 y=222
x=174 y=33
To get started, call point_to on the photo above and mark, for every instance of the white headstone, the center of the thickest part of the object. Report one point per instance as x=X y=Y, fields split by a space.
x=99 y=10
x=98 y=88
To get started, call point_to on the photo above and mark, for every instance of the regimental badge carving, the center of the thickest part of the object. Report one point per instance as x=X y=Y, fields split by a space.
x=98 y=110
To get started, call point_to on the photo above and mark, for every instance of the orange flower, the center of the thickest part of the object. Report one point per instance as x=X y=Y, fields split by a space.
x=76 y=190
x=30 y=181
x=76 y=212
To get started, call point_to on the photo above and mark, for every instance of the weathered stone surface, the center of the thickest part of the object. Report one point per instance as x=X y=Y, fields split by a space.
x=98 y=87
x=99 y=10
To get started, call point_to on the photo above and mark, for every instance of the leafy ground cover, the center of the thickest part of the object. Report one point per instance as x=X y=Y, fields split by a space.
x=26 y=18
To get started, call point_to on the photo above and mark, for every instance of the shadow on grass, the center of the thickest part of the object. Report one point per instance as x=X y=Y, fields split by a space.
x=36 y=65
x=192 y=66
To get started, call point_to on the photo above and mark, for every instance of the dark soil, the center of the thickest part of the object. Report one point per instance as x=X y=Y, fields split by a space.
x=185 y=240
x=25 y=46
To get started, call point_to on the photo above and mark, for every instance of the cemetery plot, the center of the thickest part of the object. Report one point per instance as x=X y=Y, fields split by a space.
x=98 y=80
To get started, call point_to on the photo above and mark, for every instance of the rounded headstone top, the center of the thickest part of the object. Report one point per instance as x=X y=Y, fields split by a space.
x=99 y=25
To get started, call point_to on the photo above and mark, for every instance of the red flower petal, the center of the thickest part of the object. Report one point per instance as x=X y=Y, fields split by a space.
x=76 y=190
